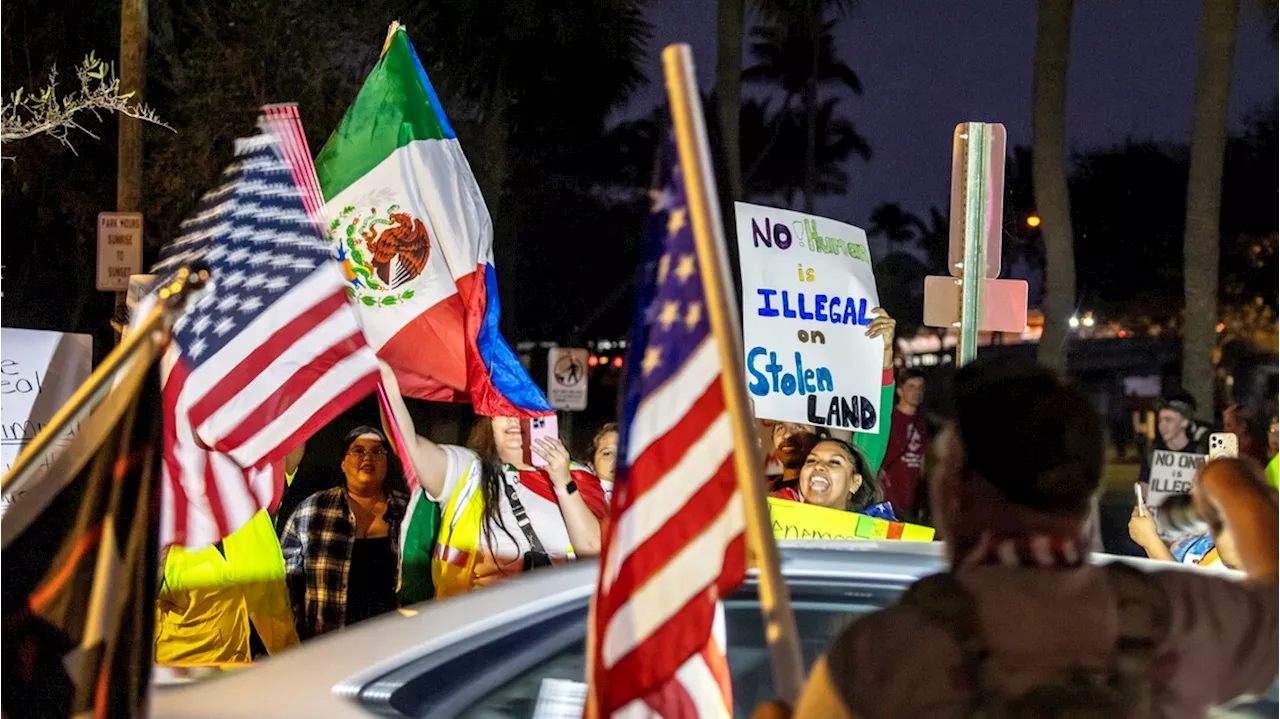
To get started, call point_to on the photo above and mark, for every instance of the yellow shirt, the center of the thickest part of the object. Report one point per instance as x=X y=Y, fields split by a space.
x=206 y=600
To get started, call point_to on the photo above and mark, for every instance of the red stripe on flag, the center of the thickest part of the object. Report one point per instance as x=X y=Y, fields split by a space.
x=214 y=496
x=649 y=557
x=666 y=451
x=287 y=393
x=671 y=700
x=656 y=659
x=170 y=393
x=332 y=409
x=257 y=361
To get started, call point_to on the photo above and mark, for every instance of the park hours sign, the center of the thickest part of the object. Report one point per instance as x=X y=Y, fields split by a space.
x=119 y=249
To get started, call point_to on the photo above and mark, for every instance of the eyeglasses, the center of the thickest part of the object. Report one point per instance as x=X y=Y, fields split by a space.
x=375 y=453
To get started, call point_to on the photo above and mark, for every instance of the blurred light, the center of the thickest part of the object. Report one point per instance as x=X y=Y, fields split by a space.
x=593 y=360
x=1122 y=334
x=1221 y=326
x=1088 y=320
x=1074 y=322
x=617 y=361
x=604 y=359
x=604 y=345
x=1033 y=220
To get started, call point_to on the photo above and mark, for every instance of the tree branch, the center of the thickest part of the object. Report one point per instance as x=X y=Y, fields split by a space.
x=24 y=115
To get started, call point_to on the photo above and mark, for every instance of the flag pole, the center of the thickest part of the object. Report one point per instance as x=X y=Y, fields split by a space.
x=708 y=233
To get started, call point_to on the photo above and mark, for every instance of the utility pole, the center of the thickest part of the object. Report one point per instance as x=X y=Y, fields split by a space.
x=133 y=79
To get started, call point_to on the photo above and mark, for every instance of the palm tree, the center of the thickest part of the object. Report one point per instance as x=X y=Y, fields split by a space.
x=1048 y=140
x=775 y=169
x=797 y=51
x=1204 y=197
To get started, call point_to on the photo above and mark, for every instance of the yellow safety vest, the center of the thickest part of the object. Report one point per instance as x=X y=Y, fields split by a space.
x=206 y=600
x=453 y=562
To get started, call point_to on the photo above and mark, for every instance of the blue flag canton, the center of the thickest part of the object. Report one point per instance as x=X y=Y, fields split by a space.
x=256 y=237
x=675 y=314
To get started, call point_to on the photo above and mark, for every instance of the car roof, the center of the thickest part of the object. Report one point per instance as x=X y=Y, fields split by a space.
x=325 y=674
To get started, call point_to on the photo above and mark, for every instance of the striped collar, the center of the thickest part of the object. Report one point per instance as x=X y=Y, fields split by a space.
x=1044 y=551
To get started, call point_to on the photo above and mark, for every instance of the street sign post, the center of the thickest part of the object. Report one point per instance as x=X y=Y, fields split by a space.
x=972 y=298
x=119 y=249
x=567 y=378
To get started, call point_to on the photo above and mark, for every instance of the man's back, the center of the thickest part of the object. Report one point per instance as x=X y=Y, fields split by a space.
x=1221 y=642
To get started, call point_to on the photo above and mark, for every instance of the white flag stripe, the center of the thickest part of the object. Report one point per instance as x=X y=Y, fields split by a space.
x=297 y=356
x=696 y=566
x=663 y=409
x=317 y=287
x=320 y=393
x=651 y=510
x=696 y=678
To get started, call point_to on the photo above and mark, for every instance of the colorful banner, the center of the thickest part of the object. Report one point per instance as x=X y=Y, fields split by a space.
x=795 y=520
x=807 y=295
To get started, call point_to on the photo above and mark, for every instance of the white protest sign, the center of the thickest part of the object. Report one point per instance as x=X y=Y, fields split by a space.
x=39 y=371
x=119 y=249
x=807 y=295
x=567 y=378
x=1171 y=474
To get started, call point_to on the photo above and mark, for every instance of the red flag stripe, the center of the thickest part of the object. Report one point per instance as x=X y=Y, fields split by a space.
x=344 y=400
x=260 y=358
x=289 y=392
x=691 y=520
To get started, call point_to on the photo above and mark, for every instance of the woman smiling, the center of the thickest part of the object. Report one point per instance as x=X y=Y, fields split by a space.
x=341 y=546
x=835 y=475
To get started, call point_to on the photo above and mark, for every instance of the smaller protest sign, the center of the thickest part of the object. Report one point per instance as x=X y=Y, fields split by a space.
x=1171 y=474
x=796 y=520
x=567 y=378
x=39 y=372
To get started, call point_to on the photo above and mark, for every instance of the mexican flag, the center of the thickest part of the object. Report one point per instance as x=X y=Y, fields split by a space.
x=415 y=240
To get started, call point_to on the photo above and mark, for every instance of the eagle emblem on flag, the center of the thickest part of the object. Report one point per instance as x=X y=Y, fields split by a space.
x=381 y=251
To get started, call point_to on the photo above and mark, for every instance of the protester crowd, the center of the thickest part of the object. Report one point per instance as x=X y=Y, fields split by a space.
x=1012 y=507
x=334 y=555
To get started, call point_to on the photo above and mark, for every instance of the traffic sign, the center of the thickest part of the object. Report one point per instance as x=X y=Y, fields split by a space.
x=977 y=165
x=567 y=378
x=119 y=249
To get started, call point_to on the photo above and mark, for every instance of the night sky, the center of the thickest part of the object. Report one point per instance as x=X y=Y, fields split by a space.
x=1132 y=74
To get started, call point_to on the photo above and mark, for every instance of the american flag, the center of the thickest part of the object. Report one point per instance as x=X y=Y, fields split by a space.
x=271 y=352
x=676 y=544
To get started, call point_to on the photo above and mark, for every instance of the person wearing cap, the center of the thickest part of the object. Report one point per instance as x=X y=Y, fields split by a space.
x=342 y=546
x=1174 y=421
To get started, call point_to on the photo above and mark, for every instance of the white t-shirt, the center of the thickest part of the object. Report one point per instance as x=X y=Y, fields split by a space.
x=544 y=515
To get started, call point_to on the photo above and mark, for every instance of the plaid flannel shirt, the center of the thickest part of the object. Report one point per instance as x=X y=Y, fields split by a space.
x=317 y=546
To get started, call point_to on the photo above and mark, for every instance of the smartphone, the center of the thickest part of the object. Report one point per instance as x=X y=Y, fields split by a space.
x=1224 y=444
x=1137 y=493
x=535 y=429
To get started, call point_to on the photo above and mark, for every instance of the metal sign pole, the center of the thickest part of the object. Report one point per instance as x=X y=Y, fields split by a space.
x=977 y=190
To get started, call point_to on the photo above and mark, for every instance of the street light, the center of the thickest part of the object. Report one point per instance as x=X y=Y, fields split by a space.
x=1033 y=220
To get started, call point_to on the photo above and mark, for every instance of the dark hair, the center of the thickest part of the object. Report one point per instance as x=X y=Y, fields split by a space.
x=868 y=493
x=595 y=441
x=909 y=373
x=491 y=478
x=1030 y=433
x=361 y=431
x=394 y=479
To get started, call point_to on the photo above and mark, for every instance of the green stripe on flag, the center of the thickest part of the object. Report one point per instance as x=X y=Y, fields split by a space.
x=394 y=108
